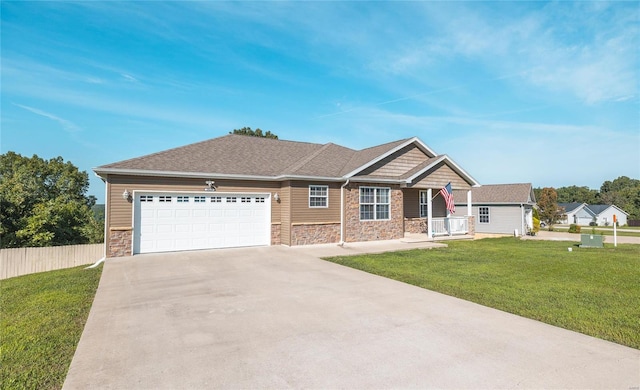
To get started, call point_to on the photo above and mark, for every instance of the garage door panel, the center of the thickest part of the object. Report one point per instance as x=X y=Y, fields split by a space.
x=164 y=228
x=186 y=222
x=199 y=227
x=164 y=213
x=199 y=213
x=183 y=228
x=148 y=213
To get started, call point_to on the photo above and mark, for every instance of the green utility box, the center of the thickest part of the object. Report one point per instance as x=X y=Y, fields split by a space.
x=591 y=241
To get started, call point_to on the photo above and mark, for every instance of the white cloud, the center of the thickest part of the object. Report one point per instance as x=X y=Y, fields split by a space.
x=587 y=51
x=66 y=124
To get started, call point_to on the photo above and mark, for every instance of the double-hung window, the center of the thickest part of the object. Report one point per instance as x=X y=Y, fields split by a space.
x=375 y=203
x=318 y=196
x=424 y=210
x=483 y=215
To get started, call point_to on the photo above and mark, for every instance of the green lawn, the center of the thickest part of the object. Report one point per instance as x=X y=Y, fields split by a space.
x=41 y=319
x=592 y=291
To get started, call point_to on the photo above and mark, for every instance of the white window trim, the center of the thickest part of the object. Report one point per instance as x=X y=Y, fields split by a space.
x=420 y=204
x=488 y=214
x=375 y=203
x=316 y=196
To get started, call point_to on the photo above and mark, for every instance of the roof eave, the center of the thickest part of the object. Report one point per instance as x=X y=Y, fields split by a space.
x=101 y=172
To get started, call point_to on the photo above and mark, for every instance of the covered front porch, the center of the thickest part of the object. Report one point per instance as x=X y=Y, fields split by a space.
x=425 y=213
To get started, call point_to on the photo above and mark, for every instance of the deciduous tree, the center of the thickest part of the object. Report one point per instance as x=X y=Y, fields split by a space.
x=44 y=203
x=253 y=133
x=548 y=205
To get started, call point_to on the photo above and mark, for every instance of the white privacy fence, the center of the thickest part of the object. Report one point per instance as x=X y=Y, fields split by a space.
x=450 y=226
x=23 y=261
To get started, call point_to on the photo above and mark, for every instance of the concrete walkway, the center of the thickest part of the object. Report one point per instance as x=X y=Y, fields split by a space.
x=278 y=317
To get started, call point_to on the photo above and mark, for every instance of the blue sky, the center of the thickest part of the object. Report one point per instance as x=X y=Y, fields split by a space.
x=538 y=92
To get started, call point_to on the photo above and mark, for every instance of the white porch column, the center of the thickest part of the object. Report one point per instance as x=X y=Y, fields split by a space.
x=429 y=214
x=469 y=210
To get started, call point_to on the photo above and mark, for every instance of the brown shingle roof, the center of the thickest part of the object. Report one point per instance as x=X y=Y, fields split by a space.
x=520 y=193
x=255 y=156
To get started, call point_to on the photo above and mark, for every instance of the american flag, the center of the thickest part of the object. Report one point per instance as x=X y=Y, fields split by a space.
x=447 y=194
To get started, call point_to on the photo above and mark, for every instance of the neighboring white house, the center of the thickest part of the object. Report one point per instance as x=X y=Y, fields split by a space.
x=578 y=213
x=604 y=214
x=499 y=208
x=584 y=214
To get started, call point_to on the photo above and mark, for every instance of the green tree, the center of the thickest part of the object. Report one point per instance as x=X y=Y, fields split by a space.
x=548 y=206
x=43 y=203
x=253 y=133
x=623 y=192
x=578 y=194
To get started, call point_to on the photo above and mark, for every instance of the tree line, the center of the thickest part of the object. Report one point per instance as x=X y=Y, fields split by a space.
x=44 y=203
x=623 y=192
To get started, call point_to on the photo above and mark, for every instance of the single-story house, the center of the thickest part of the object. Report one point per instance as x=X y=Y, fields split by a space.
x=604 y=214
x=235 y=191
x=584 y=214
x=578 y=213
x=499 y=208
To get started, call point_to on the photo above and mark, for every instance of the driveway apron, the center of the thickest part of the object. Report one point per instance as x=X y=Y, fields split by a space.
x=278 y=317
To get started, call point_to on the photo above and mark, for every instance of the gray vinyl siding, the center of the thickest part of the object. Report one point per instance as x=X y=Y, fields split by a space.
x=503 y=219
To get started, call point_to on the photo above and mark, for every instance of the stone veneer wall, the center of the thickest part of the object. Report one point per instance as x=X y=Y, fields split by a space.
x=415 y=225
x=356 y=230
x=315 y=234
x=120 y=241
x=275 y=234
x=471 y=225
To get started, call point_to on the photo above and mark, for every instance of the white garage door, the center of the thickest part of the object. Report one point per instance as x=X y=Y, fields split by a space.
x=166 y=222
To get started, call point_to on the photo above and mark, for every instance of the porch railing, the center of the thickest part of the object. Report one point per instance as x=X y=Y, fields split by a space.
x=450 y=226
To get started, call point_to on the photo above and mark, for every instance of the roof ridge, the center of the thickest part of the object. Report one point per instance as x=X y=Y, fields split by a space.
x=300 y=163
x=167 y=150
x=258 y=139
x=398 y=141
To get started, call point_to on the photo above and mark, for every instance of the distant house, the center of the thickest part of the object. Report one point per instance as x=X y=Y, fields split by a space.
x=499 y=208
x=578 y=213
x=604 y=214
x=600 y=214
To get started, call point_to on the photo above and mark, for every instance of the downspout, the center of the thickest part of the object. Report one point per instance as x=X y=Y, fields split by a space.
x=97 y=263
x=342 y=212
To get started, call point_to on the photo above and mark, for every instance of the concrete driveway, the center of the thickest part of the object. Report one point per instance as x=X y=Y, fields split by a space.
x=278 y=317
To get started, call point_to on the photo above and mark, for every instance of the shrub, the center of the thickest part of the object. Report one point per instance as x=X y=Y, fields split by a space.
x=592 y=224
x=573 y=228
x=536 y=226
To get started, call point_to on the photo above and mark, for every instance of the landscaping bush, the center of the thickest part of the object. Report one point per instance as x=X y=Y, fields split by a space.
x=573 y=228
x=536 y=226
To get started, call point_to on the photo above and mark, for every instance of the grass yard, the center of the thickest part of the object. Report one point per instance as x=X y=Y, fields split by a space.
x=41 y=319
x=592 y=291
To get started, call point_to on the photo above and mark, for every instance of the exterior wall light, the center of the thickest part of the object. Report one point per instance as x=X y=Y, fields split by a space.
x=276 y=197
x=126 y=195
